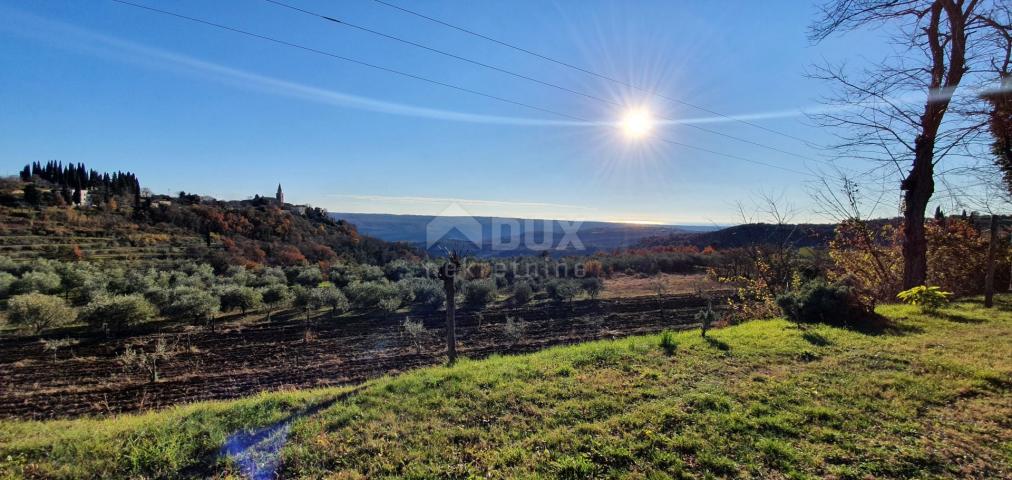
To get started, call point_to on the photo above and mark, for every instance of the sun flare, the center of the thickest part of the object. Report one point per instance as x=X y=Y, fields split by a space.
x=637 y=123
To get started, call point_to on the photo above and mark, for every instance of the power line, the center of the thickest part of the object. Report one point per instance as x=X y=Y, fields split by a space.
x=591 y=72
x=526 y=77
x=425 y=79
x=347 y=59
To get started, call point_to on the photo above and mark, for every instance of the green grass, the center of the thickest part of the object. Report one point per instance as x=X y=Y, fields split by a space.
x=929 y=398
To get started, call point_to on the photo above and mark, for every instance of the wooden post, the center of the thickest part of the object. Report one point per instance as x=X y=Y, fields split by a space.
x=992 y=251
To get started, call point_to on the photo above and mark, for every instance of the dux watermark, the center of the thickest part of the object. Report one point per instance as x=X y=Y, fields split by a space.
x=455 y=224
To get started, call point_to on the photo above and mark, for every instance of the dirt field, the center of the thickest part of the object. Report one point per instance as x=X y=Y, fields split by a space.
x=630 y=286
x=244 y=359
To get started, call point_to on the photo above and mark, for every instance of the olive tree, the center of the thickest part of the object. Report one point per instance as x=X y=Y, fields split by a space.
x=240 y=298
x=194 y=304
x=117 y=312
x=307 y=300
x=37 y=281
x=331 y=296
x=37 y=311
x=276 y=296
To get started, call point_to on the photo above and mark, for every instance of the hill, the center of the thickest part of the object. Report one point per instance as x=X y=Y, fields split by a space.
x=802 y=235
x=926 y=397
x=37 y=220
x=797 y=235
x=594 y=236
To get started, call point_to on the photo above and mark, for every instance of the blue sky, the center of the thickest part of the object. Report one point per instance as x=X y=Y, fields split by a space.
x=189 y=107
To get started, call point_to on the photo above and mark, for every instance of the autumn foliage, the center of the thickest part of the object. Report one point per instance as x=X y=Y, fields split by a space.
x=870 y=259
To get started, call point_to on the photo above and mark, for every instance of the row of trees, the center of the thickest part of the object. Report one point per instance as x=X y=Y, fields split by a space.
x=71 y=179
x=48 y=293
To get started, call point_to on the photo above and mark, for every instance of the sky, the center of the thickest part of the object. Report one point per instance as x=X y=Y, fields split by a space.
x=191 y=107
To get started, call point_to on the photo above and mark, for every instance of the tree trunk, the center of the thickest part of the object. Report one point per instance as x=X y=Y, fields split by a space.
x=448 y=273
x=917 y=190
x=920 y=184
x=992 y=251
x=451 y=322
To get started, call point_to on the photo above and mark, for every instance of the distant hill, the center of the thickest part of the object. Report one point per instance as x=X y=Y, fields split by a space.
x=803 y=235
x=800 y=235
x=594 y=236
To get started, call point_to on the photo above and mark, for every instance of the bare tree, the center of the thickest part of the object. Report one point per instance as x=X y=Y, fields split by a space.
x=942 y=45
x=773 y=254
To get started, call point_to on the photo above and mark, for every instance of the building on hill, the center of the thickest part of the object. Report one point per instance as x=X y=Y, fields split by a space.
x=280 y=196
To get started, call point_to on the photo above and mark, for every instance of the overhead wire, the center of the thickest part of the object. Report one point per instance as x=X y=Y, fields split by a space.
x=432 y=81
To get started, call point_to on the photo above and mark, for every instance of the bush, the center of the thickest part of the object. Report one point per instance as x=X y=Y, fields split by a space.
x=818 y=301
x=592 y=285
x=479 y=293
x=389 y=305
x=38 y=311
x=370 y=295
x=930 y=299
x=117 y=312
x=427 y=292
x=522 y=293
x=561 y=290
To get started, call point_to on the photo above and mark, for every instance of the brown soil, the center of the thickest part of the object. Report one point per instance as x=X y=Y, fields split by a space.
x=240 y=360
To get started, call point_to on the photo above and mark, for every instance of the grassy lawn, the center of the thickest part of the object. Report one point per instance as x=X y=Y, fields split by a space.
x=928 y=398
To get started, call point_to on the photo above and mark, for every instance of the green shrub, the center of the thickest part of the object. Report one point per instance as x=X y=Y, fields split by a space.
x=522 y=293
x=369 y=295
x=116 y=312
x=930 y=299
x=38 y=312
x=426 y=292
x=592 y=285
x=561 y=290
x=821 y=302
x=479 y=293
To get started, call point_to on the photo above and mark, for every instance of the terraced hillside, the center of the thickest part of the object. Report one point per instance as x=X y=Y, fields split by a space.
x=27 y=234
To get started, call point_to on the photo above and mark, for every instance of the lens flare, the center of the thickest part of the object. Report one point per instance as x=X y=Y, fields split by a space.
x=637 y=123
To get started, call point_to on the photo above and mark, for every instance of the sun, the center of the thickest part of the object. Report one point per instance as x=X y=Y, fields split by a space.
x=637 y=123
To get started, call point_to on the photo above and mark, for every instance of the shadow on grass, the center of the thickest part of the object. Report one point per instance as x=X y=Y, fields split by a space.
x=875 y=325
x=718 y=344
x=816 y=339
x=955 y=317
